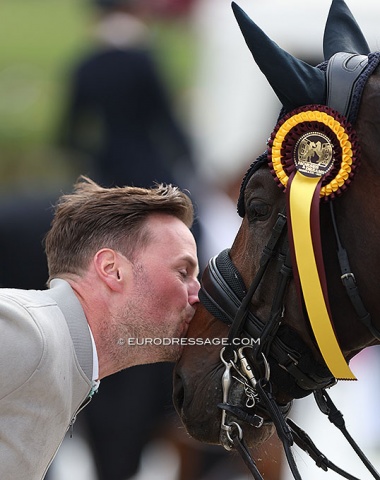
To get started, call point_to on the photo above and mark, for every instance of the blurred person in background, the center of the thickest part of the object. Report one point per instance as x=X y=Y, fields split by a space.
x=120 y=127
x=120 y=118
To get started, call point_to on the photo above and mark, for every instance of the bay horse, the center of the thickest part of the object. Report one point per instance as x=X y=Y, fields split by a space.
x=294 y=299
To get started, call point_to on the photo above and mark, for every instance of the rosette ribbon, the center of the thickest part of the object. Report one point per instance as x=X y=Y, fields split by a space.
x=312 y=154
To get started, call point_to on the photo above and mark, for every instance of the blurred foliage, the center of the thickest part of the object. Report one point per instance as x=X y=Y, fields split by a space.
x=40 y=39
x=175 y=52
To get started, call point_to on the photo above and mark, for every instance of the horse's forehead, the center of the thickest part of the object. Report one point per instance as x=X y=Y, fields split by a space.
x=263 y=185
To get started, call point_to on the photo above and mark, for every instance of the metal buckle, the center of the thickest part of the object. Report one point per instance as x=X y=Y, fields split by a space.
x=348 y=276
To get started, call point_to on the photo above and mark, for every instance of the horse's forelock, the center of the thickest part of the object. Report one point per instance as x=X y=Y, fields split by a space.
x=260 y=161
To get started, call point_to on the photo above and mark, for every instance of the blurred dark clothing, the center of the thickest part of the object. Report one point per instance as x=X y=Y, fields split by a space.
x=119 y=114
x=131 y=408
x=24 y=220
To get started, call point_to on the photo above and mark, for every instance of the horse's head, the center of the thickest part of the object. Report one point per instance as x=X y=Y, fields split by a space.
x=256 y=291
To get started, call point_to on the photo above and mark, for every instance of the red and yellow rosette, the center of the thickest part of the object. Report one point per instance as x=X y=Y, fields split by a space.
x=312 y=153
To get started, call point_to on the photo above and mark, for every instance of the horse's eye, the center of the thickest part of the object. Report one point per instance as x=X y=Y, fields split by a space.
x=258 y=210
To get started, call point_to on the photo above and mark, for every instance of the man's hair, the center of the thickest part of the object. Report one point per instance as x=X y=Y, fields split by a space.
x=93 y=217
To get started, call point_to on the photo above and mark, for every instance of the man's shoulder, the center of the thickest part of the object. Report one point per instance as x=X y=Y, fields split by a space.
x=28 y=320
x=24 y=298
x=21 y=305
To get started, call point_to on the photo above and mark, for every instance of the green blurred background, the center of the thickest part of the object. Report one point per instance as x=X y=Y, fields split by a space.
x=40 y=39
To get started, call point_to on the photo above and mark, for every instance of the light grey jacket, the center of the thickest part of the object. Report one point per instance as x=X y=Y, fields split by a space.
x=46 y=375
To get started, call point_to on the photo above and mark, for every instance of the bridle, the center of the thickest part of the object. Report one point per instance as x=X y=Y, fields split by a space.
x=224 y=295
x=275 y=352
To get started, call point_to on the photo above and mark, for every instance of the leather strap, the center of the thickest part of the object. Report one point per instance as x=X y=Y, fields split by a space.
x=343 y=71
x=223 y=302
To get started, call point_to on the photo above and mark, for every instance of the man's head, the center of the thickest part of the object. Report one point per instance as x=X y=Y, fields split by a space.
x=93 y=217
x=129 y=255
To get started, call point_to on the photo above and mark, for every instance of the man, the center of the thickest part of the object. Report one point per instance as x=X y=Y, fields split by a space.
x=122 y=275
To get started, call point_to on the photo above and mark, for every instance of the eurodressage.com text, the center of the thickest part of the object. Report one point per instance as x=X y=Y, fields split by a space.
x=243 y=342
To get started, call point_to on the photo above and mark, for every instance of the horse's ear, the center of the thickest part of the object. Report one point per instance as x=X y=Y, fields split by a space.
x=342 y=33
x=294 y=82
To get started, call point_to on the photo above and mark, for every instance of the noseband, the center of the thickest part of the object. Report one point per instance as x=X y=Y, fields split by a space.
x=277 y=356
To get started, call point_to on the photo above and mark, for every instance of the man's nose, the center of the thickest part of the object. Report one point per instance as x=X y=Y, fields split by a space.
x=193 y=292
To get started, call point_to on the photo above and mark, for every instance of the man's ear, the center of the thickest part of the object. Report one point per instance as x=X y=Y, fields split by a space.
x=110 y=268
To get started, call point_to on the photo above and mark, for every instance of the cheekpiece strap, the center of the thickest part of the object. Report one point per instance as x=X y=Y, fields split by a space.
x=343 y=71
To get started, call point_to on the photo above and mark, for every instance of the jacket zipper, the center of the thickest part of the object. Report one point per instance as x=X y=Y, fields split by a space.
x=70 y=429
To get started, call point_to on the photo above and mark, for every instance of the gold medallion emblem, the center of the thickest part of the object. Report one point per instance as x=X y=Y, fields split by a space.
x=317 y=142
x=313 y=154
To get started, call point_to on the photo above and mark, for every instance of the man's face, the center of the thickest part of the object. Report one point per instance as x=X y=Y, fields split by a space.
x=164 y=293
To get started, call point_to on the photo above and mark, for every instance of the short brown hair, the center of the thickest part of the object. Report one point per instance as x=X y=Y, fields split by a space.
x=93 y=217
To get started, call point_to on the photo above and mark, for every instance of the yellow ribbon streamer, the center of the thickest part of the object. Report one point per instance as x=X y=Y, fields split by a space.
x=301 y=194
